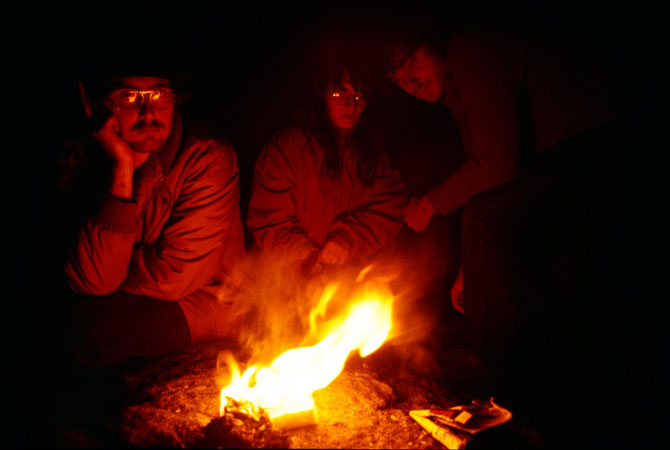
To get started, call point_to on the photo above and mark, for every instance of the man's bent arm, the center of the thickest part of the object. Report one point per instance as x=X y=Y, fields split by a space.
x=486 y=75
x=195 y=236
x=97 y=264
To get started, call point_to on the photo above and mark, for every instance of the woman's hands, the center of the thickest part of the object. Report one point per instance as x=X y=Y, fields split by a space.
x=334 y=254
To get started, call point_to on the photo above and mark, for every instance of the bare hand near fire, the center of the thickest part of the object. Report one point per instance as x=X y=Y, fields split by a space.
x=419 y=213
x=333 y=253
x=457 y=293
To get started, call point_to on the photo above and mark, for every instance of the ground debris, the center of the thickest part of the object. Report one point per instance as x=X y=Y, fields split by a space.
x=179 y=407
x=174 y=402
x=148 y=426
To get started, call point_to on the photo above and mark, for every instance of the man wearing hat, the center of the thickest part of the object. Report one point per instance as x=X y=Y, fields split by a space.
x=160 y=224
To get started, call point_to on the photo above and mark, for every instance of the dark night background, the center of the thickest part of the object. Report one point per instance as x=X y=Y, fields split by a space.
x=251 y=65
x=250 y=68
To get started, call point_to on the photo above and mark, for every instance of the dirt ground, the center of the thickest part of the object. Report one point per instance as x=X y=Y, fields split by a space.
x=171 y=402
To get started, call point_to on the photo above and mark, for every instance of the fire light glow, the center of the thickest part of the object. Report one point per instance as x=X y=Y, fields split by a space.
x=286 y=386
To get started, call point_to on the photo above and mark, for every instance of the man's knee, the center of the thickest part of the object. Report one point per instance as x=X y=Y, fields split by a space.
x=88 y=329
x=108 y=330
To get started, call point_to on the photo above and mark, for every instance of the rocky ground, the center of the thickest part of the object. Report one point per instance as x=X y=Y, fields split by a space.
x=174 y=402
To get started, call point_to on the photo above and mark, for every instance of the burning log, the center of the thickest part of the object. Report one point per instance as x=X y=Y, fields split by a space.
x=297 y=419
x=284 y=388
x=242 y=425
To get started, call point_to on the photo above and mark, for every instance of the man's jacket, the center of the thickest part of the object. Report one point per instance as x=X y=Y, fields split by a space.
x=175 y=241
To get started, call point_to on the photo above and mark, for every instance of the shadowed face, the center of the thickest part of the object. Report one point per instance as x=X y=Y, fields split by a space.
x=144 y=108
x=344 y=104
x=421 y=74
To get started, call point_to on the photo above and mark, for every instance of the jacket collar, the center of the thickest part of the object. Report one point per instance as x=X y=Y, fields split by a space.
x=167 y=154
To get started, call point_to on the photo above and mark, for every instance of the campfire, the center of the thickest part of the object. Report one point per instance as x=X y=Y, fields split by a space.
x=283 y=390
x=288 y=374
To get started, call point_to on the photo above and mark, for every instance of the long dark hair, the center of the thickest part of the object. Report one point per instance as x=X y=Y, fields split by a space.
x=365 y=139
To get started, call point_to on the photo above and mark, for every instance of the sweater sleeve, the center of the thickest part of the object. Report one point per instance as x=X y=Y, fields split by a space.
x=272 y=217
x=98 y=263
x=484 y=82
x=194 y=239
x=377 y=221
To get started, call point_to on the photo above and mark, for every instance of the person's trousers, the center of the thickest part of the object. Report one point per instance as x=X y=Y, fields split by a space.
x=550 y=263
x=108 y=330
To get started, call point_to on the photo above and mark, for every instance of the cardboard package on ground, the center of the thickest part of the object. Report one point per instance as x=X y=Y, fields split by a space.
x=457 y=425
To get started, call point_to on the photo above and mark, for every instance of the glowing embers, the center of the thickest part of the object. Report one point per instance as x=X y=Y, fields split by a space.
x=284 y=389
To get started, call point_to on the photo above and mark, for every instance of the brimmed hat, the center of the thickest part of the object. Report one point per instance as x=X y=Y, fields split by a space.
x=101 y=75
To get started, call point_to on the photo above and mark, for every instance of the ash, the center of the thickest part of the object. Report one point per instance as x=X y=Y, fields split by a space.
x=237 y=429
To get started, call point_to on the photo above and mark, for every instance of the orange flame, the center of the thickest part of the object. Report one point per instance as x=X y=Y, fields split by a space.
x=286 y=386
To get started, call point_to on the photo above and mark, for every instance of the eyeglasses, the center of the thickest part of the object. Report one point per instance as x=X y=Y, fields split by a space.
x=401 y=66
x=344 y=97
x=133 y=98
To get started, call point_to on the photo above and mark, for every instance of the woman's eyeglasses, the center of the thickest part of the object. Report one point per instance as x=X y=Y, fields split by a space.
x=343 y=97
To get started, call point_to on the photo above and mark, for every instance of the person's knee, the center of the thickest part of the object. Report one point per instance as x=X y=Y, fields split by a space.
x=86 y=335
x=108 y=330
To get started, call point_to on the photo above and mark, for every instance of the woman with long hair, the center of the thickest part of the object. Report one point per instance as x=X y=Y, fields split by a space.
x=323 y=192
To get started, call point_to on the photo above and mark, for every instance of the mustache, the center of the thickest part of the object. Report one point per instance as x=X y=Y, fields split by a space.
x=142 y=125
